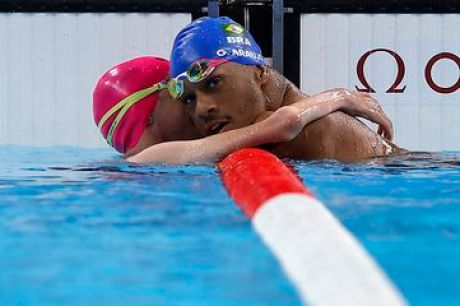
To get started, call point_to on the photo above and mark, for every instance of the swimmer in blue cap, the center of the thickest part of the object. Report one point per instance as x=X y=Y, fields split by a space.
x=219 y=74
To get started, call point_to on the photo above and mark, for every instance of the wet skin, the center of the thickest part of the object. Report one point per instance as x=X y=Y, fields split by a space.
x=230 y=98
x=235 y=96
x=172 y=120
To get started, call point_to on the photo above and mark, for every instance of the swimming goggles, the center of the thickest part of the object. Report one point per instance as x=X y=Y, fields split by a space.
x=196 y=72
x=124 y=106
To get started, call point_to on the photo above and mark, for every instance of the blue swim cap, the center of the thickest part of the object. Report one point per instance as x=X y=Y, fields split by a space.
x=214 y=38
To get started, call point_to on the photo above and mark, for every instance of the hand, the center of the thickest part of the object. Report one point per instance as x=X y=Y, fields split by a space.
x=363 y=105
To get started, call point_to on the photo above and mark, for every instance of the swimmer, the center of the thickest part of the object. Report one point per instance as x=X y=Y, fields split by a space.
x=219 y=74
x=139 y=119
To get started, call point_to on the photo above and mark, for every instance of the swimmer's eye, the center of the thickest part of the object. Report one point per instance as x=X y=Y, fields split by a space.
x=151 y=120
x=213 y=82
x=188 y=100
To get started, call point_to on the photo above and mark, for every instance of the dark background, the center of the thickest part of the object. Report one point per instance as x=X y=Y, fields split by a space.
x=316 y=6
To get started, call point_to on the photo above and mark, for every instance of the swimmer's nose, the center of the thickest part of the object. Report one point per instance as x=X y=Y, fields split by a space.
x=205 y=106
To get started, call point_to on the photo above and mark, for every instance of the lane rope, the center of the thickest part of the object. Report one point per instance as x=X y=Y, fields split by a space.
x=325 y=263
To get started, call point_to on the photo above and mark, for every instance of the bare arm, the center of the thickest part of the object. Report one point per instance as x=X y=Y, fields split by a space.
x=278 y=127
x=353 y=103
x=281 y=126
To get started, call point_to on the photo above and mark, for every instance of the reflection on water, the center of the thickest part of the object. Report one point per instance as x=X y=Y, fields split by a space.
x=420 y=160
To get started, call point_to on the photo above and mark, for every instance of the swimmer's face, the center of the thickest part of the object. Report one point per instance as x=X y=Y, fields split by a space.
x=230 y=98
x=169 y=121
x=172 y=119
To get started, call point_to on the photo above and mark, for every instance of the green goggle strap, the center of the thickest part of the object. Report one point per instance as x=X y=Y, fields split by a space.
x=125 y=104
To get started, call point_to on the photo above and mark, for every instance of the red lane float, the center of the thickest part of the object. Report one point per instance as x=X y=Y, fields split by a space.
x=321 y=258
x=252 y=176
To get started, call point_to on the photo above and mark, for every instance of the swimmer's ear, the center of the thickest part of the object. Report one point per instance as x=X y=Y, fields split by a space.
x=262 y=73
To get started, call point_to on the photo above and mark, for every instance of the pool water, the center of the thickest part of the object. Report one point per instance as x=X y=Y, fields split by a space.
x=406 y=212
x=82 y=227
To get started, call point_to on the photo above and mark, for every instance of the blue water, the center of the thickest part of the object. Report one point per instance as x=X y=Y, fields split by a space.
x=82 y=227
x=406 y=212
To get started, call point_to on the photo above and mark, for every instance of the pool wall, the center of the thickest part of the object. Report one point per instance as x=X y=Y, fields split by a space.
x=417 y=53
x=50 y=62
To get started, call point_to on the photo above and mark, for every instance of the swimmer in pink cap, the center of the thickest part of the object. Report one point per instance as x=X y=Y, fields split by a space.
x=139 y=118
x=127 y=101
x=124 y=99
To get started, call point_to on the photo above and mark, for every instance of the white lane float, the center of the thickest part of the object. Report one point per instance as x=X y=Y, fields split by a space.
x=325 y=263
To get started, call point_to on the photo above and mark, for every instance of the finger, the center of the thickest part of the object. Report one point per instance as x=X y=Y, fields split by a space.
x=382 y=132
x=378 y=116
x=387 y=129
x=391 y=134
x=371 y=110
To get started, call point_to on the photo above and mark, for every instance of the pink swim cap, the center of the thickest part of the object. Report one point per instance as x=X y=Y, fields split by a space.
x=125 y=97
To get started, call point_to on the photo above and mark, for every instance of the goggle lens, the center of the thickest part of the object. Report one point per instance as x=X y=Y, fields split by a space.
x=198 y=71
x=176 y=88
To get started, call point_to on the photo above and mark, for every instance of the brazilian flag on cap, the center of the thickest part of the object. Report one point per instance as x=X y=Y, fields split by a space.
x=234 y=29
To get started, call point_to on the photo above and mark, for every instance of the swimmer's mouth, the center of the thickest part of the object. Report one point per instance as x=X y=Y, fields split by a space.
x=217 y=127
